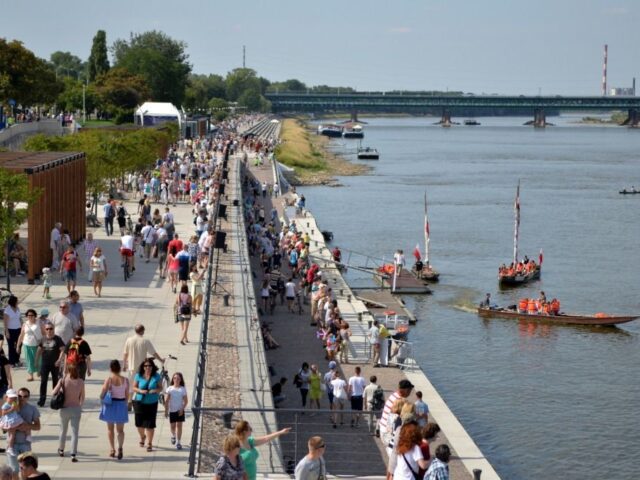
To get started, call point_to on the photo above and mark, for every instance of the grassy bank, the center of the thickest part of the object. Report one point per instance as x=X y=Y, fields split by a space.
x=306 y=152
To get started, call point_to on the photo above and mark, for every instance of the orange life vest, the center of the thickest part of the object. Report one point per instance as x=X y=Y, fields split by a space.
x=531 y=307
x=523 y=304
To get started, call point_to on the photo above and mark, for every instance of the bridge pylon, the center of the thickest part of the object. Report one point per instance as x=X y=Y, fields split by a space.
x=633 y=118
x=539 y=118
x=445 y=121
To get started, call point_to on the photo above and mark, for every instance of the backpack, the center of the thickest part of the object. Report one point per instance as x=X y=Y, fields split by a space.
x=377 y=400
x=73 y=355
x=110 y=212
x=121 y=212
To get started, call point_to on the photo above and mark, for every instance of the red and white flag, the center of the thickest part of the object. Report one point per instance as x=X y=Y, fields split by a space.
x=540 y=257
x=416 y=252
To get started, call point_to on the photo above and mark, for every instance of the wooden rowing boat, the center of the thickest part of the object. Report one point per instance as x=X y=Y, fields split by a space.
x=505 y=280
x=563 y=318
x=519 y=279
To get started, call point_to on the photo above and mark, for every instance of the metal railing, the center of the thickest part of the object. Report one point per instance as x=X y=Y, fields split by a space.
x=305 y=423
x=201 y=365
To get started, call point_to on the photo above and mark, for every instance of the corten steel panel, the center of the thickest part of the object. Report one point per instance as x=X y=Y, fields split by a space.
x=61 y=176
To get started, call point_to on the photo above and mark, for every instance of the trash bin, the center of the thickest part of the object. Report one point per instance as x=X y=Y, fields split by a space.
x=226 y=419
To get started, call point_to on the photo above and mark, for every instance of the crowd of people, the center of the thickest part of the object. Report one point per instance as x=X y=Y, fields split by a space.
x=523 y=267
x=288 y=276
x=54 y=347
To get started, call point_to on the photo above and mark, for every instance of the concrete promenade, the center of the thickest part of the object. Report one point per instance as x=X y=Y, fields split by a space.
x=109 y=320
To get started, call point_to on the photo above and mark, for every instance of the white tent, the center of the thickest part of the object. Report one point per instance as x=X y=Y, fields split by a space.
x=154 y=113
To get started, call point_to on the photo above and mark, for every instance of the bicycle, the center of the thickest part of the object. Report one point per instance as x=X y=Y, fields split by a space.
x=5 y=295
x=164 y=375
x=126 y=267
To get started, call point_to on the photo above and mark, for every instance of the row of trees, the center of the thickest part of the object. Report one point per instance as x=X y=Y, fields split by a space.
x=110 y=153
x=146 y=66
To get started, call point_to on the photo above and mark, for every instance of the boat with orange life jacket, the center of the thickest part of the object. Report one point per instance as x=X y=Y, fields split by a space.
x=519 y=272
x=550 y=312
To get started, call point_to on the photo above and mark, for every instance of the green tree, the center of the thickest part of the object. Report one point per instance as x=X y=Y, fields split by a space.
x=98 y=63
x=27 y=79
x=70 y=99
x=119 y=92
x=160 y=60
x=66 y=64
x=291 y=85
x=240 y=80
x=251 y=100
x=202 y=88
x=110 y=153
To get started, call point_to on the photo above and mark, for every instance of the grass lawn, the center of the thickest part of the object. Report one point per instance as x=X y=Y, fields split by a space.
x=297 y=148
x=305 y=151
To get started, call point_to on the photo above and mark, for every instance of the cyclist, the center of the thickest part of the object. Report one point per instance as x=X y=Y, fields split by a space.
x=126 y=250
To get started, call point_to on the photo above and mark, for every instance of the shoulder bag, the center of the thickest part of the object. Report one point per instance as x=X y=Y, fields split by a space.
x=57 y=399
x=107 y=399
x=416 y=475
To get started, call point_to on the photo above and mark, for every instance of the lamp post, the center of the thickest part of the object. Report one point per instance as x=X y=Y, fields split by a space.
x=84 y=104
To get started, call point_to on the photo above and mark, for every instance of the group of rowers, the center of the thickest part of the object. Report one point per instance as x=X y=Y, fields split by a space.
x=539 y=306
x=530 y=306
x=523 y=267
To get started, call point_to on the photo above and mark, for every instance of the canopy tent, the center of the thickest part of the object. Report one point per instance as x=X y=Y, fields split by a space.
x=154 y=113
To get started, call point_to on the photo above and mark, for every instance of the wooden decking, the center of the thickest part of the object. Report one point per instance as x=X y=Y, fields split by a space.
x=406 y=282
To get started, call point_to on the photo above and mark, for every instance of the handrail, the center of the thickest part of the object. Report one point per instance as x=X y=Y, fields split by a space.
x=202 y=353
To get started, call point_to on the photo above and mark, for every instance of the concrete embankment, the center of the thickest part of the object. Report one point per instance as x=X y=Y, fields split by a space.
x=300 y=344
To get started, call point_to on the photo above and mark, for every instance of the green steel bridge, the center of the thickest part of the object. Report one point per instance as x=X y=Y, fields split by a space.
x=290 y=102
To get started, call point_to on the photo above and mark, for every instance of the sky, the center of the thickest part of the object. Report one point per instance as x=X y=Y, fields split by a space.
x=524 y=47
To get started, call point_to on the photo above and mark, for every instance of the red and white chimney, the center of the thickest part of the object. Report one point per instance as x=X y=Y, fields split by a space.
x=604 y=72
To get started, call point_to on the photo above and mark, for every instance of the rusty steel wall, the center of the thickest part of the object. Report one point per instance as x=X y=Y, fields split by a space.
x=62 y=200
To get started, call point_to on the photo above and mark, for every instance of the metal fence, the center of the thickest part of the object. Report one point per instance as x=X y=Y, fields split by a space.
x=198 y=389
x=350 y=450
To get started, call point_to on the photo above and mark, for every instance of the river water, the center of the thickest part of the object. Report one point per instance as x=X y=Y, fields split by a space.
x=540 y=401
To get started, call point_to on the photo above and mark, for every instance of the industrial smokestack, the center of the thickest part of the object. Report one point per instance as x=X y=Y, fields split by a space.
x=633 y=86
x=604 y=72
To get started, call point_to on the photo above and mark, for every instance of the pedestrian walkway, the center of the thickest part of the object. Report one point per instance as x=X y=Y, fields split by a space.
x=109 y=320
x=299 y=344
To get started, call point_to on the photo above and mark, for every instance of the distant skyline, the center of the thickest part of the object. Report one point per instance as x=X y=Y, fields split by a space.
x=552 y=47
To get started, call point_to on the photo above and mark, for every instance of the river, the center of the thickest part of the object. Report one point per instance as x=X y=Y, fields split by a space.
x=540 y=401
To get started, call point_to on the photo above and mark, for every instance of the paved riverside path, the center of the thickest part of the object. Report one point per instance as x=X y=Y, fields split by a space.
x=109 y=320
x=299 y=344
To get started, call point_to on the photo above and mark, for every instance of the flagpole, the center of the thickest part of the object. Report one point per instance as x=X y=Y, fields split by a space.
x=516 y=226
x=426 y=233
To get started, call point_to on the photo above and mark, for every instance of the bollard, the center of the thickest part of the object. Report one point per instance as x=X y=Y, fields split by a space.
x=341 y=292
x=370 y=323
x=225 y=298
x=312 y=232
x=226 y=418
x=476 y=473
x=308 y=225
x=349 y=298
x=359 y=316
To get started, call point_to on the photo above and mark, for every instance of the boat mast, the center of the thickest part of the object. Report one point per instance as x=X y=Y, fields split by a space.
x=426 y=233
x=516 y=228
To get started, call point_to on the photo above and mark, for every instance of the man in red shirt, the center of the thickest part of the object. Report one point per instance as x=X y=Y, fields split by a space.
x=70 y=259
x=175 y=245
